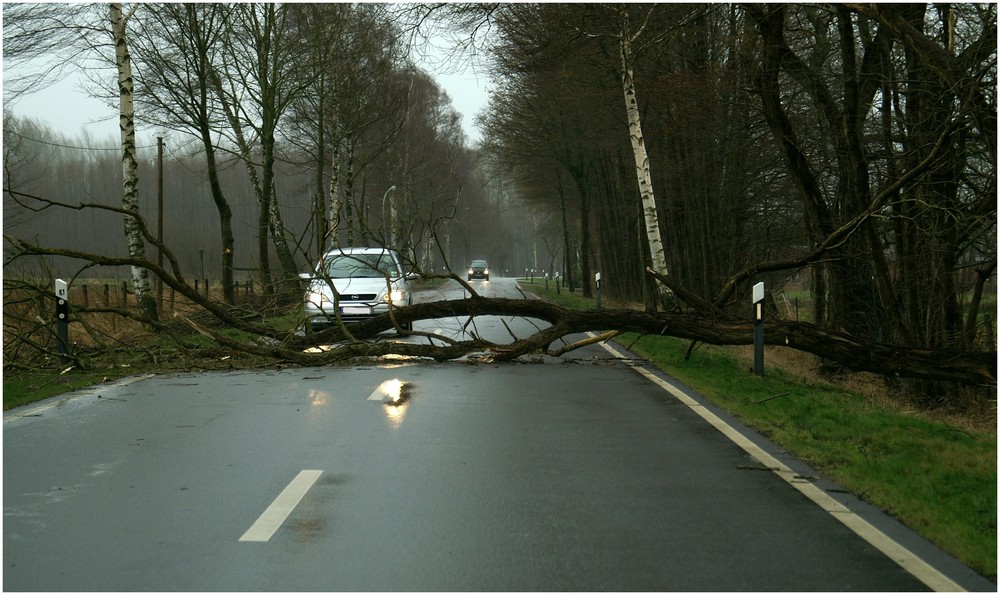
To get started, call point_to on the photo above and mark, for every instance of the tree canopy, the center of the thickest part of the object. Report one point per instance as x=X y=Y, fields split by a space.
x=845 y=152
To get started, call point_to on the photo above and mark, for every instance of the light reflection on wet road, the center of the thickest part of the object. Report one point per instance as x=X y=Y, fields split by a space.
x=580 y=475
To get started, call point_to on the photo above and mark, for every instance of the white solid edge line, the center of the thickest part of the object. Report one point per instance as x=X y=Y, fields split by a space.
x=278 y=511
x=909 y=561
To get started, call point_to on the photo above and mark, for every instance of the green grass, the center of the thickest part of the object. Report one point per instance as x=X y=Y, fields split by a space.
x=563 y=298
x=939 y=480
x=21 y=390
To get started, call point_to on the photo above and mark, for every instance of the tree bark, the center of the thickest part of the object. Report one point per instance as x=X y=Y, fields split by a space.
x=650 y=215
x=130 y=165
x=333 y=221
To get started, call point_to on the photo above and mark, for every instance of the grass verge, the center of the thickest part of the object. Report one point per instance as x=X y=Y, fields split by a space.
x=938 y=479
x=21 y=390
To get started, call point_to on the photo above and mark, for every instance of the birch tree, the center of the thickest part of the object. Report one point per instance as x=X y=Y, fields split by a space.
x=370 y=112
x=130 y=165
x=650 y=216
x=314 y=124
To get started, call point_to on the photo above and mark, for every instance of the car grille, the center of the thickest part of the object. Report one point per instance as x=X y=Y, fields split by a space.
x=357 y=297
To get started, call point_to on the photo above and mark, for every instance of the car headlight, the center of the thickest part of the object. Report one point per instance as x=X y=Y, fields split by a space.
x=486 y=271
x=395 y=297
x=470 y=271
x=317 y=298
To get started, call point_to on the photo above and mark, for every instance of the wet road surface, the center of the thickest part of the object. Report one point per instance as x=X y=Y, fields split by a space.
x=498 y=329
x=577 y=475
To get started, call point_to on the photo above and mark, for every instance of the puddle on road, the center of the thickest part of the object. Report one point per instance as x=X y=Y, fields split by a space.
x=395 y=396
x=395 y=391
x=319 y=397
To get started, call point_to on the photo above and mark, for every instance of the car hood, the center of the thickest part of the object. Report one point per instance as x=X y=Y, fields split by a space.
x=353 y=285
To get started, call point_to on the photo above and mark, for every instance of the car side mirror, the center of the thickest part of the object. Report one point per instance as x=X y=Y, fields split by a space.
x=306 y=276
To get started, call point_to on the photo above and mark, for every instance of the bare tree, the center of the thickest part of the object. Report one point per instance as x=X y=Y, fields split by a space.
x=178 y=48
x=258 y=79
x=36 y=31
x=313 y=120
x=940 y=206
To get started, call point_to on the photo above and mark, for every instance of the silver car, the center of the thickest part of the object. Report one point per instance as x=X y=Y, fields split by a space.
x=364 y=283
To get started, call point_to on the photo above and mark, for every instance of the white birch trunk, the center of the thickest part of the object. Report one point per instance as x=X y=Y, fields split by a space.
x=333 y=223
x=393 y=219
x=652 y=222
x=426 y=263
x=130 y=165
x=447 y=245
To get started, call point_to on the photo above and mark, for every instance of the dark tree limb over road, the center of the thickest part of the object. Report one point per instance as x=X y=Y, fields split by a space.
x=708 y=326
x=974 y=368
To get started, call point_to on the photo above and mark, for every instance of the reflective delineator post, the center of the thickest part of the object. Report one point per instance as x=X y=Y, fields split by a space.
x=597 y=279
x=62 y=319
x=758 y=329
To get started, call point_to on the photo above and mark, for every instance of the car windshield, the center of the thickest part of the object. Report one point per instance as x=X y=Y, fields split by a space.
x=479 y=264
x=361 y=265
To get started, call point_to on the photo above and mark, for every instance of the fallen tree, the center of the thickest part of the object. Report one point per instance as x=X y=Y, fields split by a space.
x=706 y=324
x=973 y=368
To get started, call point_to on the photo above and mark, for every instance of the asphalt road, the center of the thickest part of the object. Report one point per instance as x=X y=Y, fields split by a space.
x=573 y=475
x=498 y=329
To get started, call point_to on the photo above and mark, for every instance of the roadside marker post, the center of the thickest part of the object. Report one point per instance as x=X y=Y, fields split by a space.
x=758 y=329
x=597 y=279
x=62 y=319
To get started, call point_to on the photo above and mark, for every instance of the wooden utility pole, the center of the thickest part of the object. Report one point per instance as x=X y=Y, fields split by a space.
x=159 y=218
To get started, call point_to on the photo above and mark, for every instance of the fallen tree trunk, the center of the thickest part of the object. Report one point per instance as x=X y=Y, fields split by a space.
x=708 y=325
x=971 y=368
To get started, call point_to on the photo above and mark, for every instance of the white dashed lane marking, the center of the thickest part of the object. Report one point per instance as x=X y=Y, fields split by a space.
x=283 y=505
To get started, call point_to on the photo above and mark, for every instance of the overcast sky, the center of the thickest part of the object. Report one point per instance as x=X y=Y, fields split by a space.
x=67 y=108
